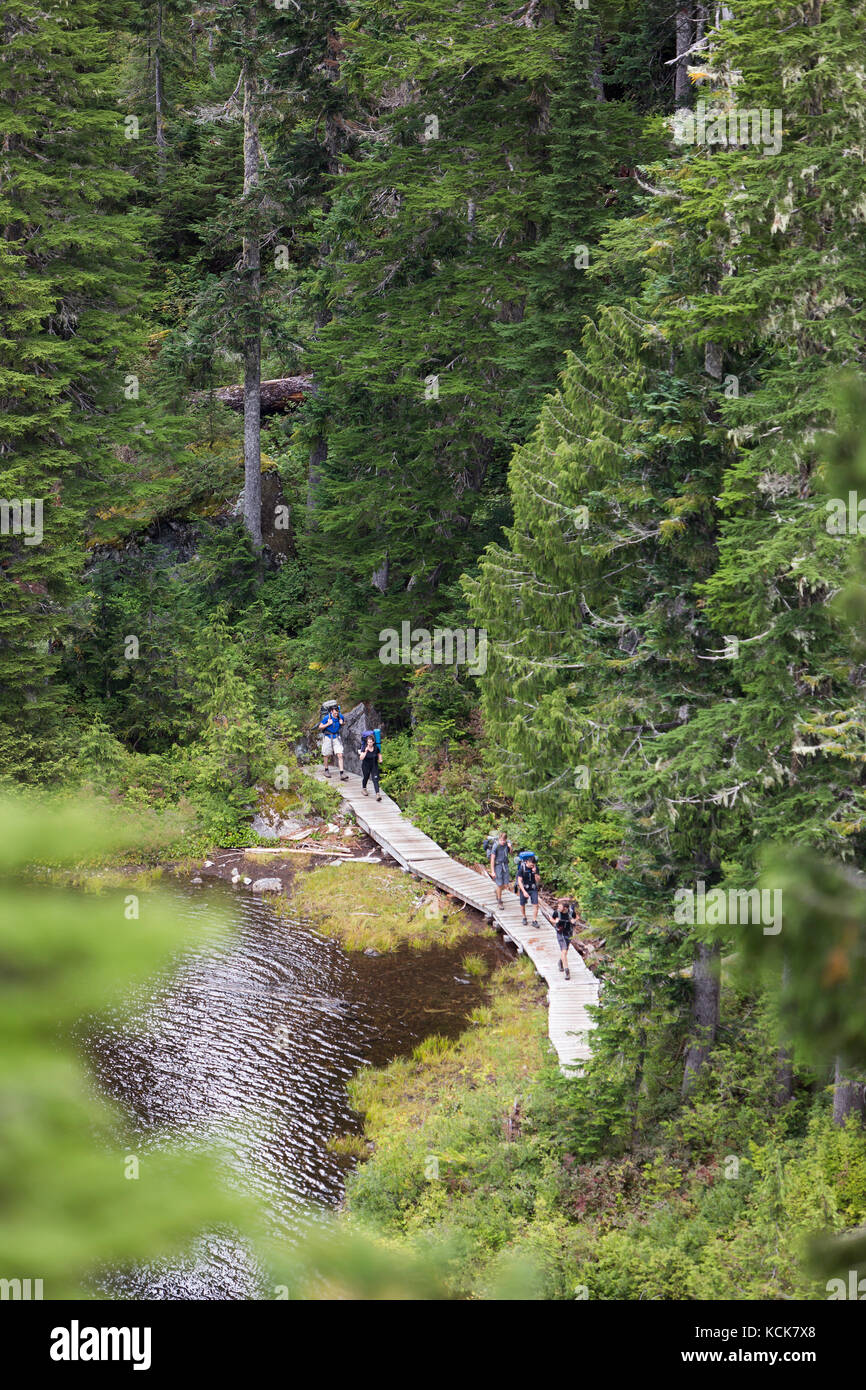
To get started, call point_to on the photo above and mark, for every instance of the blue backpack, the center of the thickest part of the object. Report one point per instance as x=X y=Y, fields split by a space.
x=524 y=857
x=375 y=734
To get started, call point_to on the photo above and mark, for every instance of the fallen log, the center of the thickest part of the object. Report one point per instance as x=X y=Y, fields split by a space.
x=280 y=393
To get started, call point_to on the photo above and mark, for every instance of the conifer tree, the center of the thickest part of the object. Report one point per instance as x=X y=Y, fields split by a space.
x=72 y=280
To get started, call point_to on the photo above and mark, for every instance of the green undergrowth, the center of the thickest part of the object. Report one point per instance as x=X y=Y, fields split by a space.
x=372 y=906
x=473 y=1167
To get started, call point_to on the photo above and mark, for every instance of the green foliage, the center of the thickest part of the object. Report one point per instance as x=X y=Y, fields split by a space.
x=452 y=819
x=72 y=1203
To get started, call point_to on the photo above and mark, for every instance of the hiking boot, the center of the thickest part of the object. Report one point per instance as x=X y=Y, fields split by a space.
x=568 y=974
x=561 y=966
x=378 y=796
x=525 y=923
x=364 y=791
x=327 y=772
x=343 y=777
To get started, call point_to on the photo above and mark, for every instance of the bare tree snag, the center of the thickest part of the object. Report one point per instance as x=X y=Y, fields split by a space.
x=684 y=41
x=158 y=96
x=595 y=75
x=252 y=280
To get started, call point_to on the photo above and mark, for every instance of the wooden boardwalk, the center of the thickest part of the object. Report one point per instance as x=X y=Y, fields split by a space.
x=569 y=1024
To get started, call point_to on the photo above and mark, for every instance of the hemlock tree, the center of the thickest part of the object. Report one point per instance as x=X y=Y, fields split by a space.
x=72 y=280
x=741 y=763
x=591 y=142
x=425 y=236
x=595 y=642
x=768 y=239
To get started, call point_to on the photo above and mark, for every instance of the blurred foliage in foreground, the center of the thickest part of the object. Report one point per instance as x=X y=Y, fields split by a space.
x=68 y=1208
x=71 y=1211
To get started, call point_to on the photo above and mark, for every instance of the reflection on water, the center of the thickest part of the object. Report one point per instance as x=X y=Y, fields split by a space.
x=252 y=1041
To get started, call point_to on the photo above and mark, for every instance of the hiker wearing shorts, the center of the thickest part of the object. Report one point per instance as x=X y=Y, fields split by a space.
x=371 y=758
x=499 y=864
x=528 y=883
x=329 y=728
x=564 y=919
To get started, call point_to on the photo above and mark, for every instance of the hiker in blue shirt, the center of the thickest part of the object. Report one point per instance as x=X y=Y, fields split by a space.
x=330 y=726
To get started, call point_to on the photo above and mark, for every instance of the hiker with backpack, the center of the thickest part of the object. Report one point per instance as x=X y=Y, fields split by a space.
x=499 y=849
x=329 y=727
x=527 y=882
x=370 y=754
x=564 y=919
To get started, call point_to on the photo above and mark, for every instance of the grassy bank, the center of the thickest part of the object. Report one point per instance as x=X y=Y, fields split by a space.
x=453 y=1170
x=472 y=1170
x=373 y=906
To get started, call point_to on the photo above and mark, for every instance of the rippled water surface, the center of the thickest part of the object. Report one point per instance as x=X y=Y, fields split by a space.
x=252 y=1040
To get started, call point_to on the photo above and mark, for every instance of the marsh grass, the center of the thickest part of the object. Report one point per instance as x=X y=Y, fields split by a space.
x=446 y=1086
x=373 y=906
x=475 y=965
x=431 y=1048
x=112 y=879
x=348 y=1146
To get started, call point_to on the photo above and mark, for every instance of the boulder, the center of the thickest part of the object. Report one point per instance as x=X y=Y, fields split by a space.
x=268 y=885
x=362 y=717
x=274 y=827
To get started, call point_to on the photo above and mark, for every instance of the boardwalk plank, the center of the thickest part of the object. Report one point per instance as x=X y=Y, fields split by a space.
x=569 y=1024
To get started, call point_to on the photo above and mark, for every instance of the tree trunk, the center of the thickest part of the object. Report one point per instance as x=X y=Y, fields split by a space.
x=684 y=40
x=279 y=393
x=784 y=1088
x=379 y=577
x=318 y=457
x=595 y=75
x=713 y=361
x=849 y=1097
x=252 y=278
x=705 y=1011
x=158 y=96
x=210 y=66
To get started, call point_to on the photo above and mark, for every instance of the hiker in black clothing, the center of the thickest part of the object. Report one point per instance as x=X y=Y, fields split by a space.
x=371 y=757
x=499 y=864
x=564 y=919
x=527 y=883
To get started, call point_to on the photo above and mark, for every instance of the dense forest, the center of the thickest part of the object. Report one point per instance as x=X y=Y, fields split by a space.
x=544 y=321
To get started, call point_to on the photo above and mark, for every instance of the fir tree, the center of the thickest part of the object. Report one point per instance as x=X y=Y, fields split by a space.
x=72 y=282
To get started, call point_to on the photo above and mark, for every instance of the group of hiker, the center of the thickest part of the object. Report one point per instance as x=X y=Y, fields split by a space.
x=498 y=849
x=370 y=749
x=527 y=884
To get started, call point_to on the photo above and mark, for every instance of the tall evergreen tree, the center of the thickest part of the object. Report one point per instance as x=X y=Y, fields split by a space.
x=73 y=279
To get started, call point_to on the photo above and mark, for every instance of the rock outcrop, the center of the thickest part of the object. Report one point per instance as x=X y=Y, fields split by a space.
x=362 y=717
